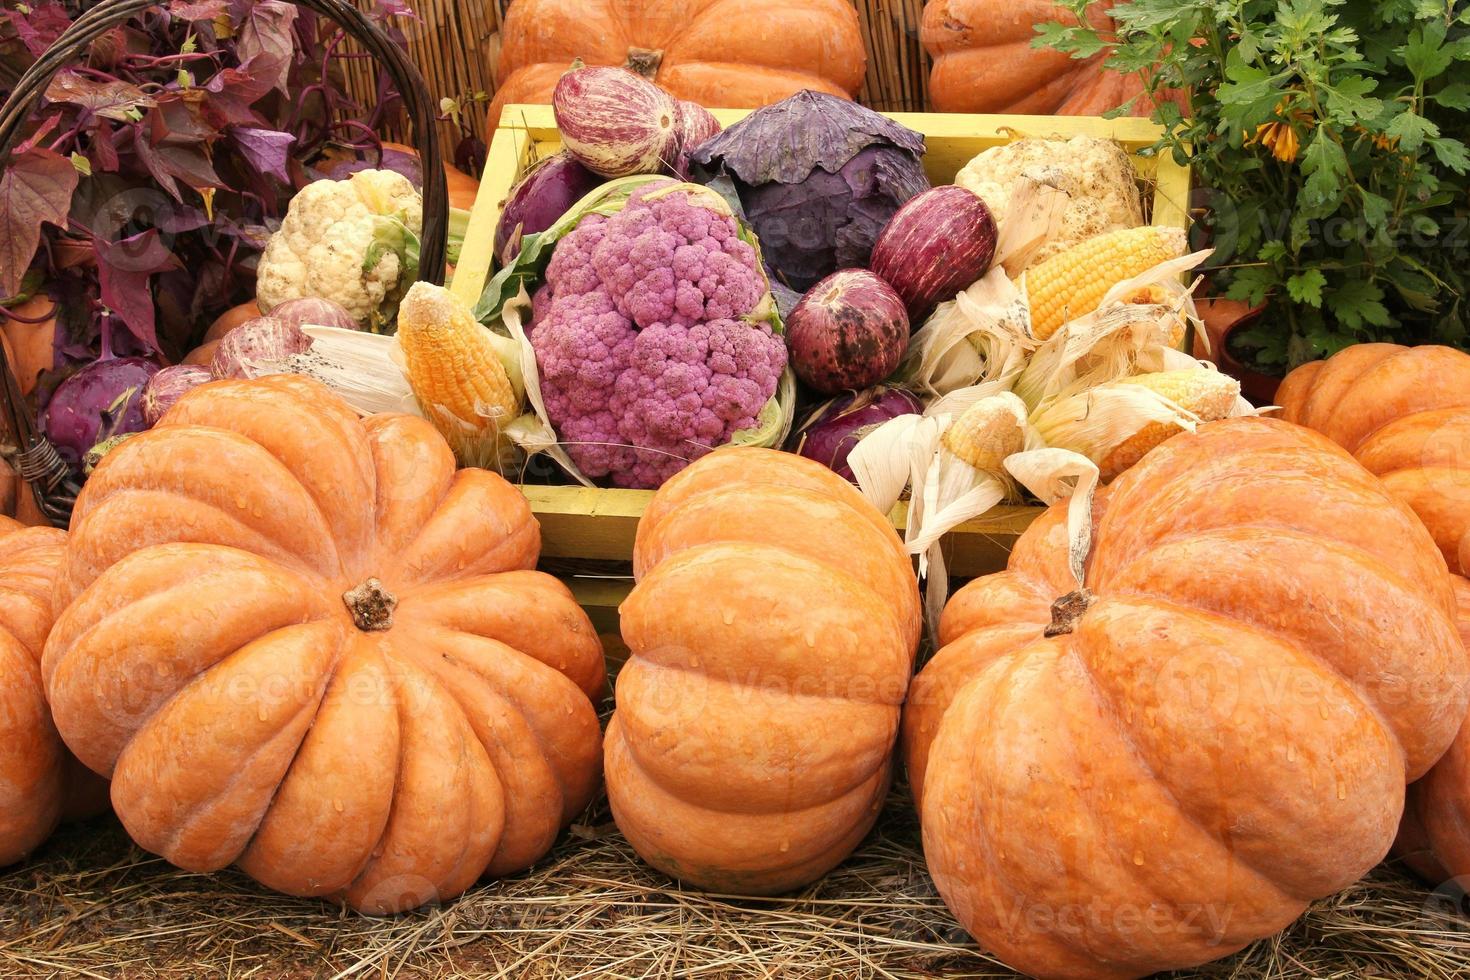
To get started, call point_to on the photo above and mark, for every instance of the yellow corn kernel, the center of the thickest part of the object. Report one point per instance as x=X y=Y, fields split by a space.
x=455 y=373
x=988 y=433
x=1207 y=395
x=1073 y=283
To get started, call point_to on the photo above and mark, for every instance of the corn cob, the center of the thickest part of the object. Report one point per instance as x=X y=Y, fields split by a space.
x=1117 y=424
x=455 y=373
x=1157 y=295
x=1073 y=283
x=988 y=433
x=1205 y=394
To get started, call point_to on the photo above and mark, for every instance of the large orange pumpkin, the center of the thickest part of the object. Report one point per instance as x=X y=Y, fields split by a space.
x=719 y=53
x=1404 y=413
x=1434 y=839
x=984 y=62
x=772 y=634
x=40 y=782
x=1153 y=774
x=303 y=643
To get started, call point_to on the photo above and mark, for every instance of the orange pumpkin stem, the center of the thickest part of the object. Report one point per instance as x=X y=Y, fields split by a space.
x=371 y=606
x=644 y=61
x=1067 y=610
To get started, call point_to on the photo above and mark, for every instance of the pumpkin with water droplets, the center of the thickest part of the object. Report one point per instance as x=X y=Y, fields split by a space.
x=772 y=634
x=302 y=643
x=1213 y=733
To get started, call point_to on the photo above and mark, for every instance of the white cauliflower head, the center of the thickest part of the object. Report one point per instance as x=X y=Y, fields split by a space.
x=1096 y=174
x=353 y=241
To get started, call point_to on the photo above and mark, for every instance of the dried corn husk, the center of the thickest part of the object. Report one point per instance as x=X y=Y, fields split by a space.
x=364 y=369
x=948 y=489
x=1115 y=424
x=981 y=336
x=1057 y=474
x=533 y=432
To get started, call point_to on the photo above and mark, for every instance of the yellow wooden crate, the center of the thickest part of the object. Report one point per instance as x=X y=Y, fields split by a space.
x=598 y=525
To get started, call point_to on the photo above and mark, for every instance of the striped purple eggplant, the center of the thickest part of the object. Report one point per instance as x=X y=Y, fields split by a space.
x=616 y=123
x=696 y=126
x=935 y=247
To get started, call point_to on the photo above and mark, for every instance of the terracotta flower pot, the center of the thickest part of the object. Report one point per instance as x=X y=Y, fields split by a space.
x=1222 y=317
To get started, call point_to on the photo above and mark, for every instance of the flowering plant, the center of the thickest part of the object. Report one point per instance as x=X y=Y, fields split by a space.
x=1331 y=140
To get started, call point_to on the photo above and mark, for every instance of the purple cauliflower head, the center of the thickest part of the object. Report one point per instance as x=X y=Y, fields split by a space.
x=646 y=363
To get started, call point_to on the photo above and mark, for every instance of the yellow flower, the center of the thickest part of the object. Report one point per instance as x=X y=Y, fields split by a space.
x=1280 y=137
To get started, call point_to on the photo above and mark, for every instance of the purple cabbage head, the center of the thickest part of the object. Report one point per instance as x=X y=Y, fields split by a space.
x=102 y=400
x=818 y=178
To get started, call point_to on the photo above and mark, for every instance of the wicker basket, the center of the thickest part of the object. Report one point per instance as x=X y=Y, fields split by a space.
x=36 y=459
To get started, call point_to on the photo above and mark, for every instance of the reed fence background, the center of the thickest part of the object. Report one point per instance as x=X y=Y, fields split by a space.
x=456 y=45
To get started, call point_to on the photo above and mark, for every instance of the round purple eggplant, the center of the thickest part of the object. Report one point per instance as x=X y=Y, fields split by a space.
x=848 y=332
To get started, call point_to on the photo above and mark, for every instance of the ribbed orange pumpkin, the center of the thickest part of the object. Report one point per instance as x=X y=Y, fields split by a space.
x=1404 y=413
x=302 y=643
x=1434 y=839
x=772 y=634
x=984 y=62
x=1220 y=737
x=40 y=782
x=719 y=53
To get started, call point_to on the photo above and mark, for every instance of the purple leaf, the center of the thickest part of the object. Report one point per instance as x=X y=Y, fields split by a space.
x=125 y=268
x=39 y=28
x=104 y=147
x=113 y=99
x=178 y=118
x=201 y=10
x=156 y=166
x=39 y=136
x=234 y=90
x=35 y=186
x=265 y=149
x=267 y=32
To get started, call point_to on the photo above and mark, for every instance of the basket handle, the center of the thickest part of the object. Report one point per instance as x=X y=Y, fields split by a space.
x=54 y=488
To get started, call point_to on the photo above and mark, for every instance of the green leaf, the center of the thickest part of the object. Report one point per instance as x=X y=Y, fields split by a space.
x=1306 y=287
x=1456 y=95
x=1348 y=99
x=1425 y=55
x=1452 y=153
x=1325 y=165
x=82 y=164
x=1357 y=301
x=1251 y=285
x=1376 y=210
x=1411 y=130
x=1273 y=251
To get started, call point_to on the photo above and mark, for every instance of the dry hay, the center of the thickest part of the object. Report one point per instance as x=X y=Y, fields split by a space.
x=91 y=904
